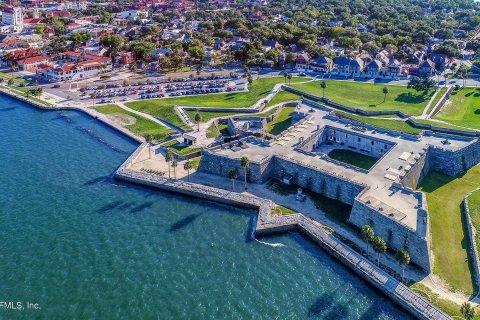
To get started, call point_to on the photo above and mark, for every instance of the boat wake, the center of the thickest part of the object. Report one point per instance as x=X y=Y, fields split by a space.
x=271 y=244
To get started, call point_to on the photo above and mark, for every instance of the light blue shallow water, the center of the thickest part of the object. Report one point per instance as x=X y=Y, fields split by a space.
x=85 y=247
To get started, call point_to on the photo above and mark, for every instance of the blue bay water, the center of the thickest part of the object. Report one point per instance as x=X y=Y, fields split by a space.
x=84 y=246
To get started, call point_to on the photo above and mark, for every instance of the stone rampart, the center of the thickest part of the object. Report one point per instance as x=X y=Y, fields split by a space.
x=416 y=170
x=396 y=234
x=455 y=162
x=472 y=231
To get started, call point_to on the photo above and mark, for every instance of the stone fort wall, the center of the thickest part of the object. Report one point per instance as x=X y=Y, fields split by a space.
x=453 y=163
x=396 y=234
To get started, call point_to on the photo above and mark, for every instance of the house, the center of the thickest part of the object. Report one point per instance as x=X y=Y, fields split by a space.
x=124 y=58
x=373 y=69
x=270 y=44
x=321 y=64
x=348 y=66
x=31 y=64
x=440 y=60
x=426 y=68
x=302 y=61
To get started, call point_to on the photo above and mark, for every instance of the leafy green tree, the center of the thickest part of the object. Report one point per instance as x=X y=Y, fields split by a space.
x=385 y=92
x=93 y=96
x=403 y=257
x=467 y=311
x=198 y=119
x=379 y=246
x=323 y=85
x=367 y=234
x=232 y=175
x=244 y=162
x=188 y=166
x=113 y=43
x=168 y=160
x=142 y=49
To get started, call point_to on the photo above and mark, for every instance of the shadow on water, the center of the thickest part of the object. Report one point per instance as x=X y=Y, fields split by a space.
x=141 y=207
x=64 y=117
x=96 y=180
x=110 y=206
x=96 y=137
x=182 y=223
x=7 y=109
x=126 y=205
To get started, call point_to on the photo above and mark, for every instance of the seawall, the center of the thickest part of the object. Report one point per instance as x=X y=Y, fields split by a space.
x=268 y=223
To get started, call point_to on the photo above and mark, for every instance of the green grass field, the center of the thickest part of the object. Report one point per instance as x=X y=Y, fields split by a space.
x=449 y=235
x=16 y=79
x=437 y=98
x=283 y=96
x=463 y=109
x=142 y=126
x=166 y=113
x=474 y=206
x=281 y=122
x=180 y=148
x=369 y=96
x=207 y=115
x=355 y=159
x=282 y=211
x=442 y=125
x=398 y=125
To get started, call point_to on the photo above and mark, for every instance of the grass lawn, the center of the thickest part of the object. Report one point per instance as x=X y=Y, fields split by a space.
x=16 y=79
x=463 y=109
x=355 y=159
x=180 y=148
x=442 y=125
x=282 y=211
x=283 y=96
x=437 y=98
x=447 y=306
x=398 y=125
x=166 y=113
x=281 y=122
x=208 y=115
x=195 y=162
x=142 y=126
x=369 y=96
x=449 y=235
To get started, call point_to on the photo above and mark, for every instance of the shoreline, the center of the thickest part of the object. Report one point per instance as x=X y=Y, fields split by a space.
x=389 y=286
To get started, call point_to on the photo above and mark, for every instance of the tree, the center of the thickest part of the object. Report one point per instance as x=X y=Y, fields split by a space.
x=168 y=159
x=197 y=119
x=174 y=166
x=142 y=49
x=379 y=246
x=249 y=78
x=149 y=139
x=289 y=77
x=285 y=74
x=93 y=96
x=10 y=82
x=188 y=166
x=467 y=311
x=82 y=90
x=38 y=92
x=385 y=92
x=232 y=175
x=403 y=257
x=113 y=43
x=367 y=234
x=323 y=85
x=421 y=84
x=244 y=162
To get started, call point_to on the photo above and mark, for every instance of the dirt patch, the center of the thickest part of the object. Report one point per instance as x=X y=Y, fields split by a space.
x=123 y=119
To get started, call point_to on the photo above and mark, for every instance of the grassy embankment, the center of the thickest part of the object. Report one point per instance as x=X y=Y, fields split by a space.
x=367 y=96
x=141 y=126
x=463 y=108
x=164 y=108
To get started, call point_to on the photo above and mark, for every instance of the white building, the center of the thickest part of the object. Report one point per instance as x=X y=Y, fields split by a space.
x=12 y=19
x=133 y=15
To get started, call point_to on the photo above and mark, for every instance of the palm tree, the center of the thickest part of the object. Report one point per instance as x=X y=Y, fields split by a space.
x=38 y=92
x=403 y=257
x=289 y=77
x=93 y=95
x=244 y=162
x=232 y=175
x=168 y=159
x=198 y=118
x=285 y=76
x=367 y=234
x=379 y=246
x=149 y=139
x=467 y=311
x=188 y=166
x=323 y=85
x=174 y=166
x=125 y=83
x=385 y=92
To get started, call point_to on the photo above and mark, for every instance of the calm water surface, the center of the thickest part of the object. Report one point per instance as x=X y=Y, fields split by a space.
x=83 y=246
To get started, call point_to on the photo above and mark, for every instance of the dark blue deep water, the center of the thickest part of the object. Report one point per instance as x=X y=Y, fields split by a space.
x=83 y=246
